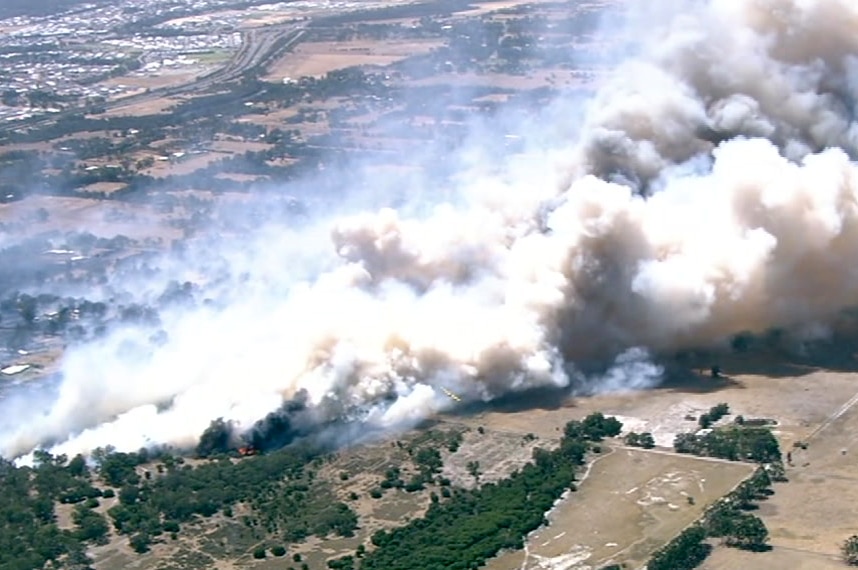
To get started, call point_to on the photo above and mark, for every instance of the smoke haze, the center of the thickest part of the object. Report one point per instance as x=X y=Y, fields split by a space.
x=709 y=189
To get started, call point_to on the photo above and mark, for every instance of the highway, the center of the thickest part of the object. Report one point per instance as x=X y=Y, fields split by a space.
x=259 y=48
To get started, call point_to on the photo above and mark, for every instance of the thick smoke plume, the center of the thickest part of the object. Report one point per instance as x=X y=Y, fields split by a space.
x=711 y=189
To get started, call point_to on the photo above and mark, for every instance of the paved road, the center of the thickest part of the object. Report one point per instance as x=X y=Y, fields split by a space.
x=259 y=47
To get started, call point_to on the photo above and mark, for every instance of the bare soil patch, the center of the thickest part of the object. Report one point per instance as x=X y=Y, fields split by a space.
x=157 y=79
x=105 y=187
x=154 y=106
x=318 y=58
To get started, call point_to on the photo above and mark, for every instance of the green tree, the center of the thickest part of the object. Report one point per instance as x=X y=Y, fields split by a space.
x=646 y=440
x=91 y=526
x=684 y=552
x=278 y=550
x=849 y=550
x=140 y=542
x=596 y=426
x=748 y=533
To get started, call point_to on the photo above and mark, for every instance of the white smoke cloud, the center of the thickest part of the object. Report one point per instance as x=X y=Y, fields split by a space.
x=710 y=190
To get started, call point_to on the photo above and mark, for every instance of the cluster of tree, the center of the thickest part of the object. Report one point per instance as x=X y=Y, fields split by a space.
x=736 y=443
x=713 y=415
x=726 y=520
x=473 y=525
x=595 y=427
x=285 y=496
x=158 y=494
x=259 y=552
x=427 y=462
x=644 y=440
x=29 y=535
x=450 y=439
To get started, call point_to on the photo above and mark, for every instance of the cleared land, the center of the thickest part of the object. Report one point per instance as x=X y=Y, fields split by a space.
x=102 y=219
x=317 y=59
x=631 y=502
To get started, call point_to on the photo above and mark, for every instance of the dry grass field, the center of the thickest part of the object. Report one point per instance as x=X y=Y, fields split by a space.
x=630 y=502
x=810 y=516
x=318 y=58
x=102 y=219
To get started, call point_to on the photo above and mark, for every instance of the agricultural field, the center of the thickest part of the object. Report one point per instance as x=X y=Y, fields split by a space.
x=629 y=502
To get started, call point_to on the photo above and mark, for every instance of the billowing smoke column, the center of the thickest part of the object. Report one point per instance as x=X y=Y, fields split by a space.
x=711 y=190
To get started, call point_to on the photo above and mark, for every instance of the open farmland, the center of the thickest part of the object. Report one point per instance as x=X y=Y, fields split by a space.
x=629 y=503
x=811 y=516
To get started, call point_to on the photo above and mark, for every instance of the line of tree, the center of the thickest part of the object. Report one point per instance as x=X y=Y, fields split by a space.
x=684 y=552
x=474 y=525
x=727 y=520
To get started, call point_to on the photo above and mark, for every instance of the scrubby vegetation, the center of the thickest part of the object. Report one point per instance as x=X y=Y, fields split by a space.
x=29 y=536
x=285 y=498
x=154 y=496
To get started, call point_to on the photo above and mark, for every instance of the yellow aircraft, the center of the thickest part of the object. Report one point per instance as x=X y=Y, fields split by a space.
x=452 y=395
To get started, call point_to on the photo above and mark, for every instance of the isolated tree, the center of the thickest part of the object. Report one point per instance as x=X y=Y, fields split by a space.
x=646 y=440
x=849 y=550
